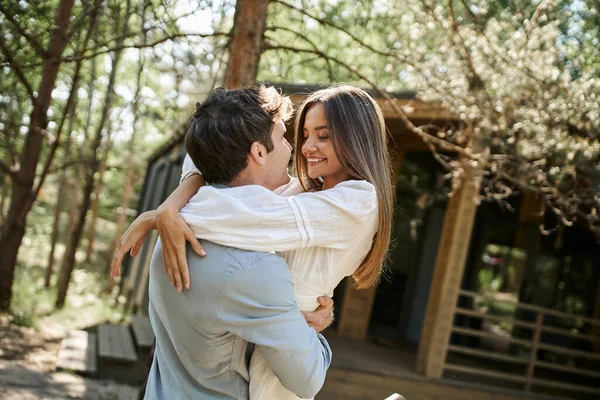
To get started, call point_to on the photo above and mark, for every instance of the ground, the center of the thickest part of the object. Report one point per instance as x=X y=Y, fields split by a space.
x=27 y=363
x=30 y=336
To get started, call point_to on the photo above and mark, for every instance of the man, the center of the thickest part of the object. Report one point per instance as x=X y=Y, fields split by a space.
x=239 y=298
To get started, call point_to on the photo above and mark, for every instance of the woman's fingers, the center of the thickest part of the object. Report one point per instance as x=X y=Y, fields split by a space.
x=174 y=234
x=115 y=266
x=182 y=267
x=182 y=258
x=325 y=301
x=117 y=260
x=135 y=250
x=322 y=317
x=172 y=256
x=176 y=274
x=195 y=244
x=170 y=272
x=132 y=240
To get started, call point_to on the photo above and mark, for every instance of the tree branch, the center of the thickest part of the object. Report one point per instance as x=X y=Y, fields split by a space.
x=307 y=40
x=361 y=42
x=69 y=106
x=475 y=82
x=70 y=59
x=15 y=67
x=7 y=170
x=334 y=26
x=503 y=57
x=596 y=4
x=11 y=123
x=37 y=46
x=138 y=33
x=536 y=15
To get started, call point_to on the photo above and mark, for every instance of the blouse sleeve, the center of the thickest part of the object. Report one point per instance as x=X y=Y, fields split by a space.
x=254 y=218
x=188 y=169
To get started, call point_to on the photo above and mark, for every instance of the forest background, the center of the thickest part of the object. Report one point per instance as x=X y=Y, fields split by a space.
x=89 y=89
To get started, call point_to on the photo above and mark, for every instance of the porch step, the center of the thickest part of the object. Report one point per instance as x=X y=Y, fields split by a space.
x=142 y=332
x=78 y=353
x=115 y=343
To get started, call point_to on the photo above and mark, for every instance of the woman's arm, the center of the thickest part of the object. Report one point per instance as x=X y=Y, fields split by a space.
x=173 y=230
x=253 y=218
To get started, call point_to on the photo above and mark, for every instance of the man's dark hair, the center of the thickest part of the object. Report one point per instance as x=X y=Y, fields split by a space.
x=226 y=124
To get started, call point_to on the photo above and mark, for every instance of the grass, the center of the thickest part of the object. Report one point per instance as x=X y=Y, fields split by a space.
x=33 y=304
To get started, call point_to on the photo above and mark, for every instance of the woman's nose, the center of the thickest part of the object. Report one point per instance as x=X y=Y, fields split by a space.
x=309 y=144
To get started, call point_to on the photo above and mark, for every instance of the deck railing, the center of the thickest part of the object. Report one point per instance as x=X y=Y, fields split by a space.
x=526 y=361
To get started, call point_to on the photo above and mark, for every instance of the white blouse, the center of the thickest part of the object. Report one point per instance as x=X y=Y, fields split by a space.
x=323 y=236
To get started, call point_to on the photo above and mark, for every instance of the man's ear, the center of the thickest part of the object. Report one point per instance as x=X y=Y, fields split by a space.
x=258 y=153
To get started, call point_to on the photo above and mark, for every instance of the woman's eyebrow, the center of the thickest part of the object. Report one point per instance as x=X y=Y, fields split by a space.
x=318 y=128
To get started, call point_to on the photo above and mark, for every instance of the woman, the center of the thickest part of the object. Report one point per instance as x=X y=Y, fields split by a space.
x=343 y=158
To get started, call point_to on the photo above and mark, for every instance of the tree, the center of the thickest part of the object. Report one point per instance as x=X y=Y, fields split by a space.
x=246 y=42
x=75 y=235
x=58 y=207
x=23 y=191
x=30 y=119
x=520 y=78
x=130 y=160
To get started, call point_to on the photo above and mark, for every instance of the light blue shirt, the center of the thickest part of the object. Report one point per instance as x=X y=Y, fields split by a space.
x=204 y=335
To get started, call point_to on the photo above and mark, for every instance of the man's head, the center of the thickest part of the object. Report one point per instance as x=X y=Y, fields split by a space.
x=238 y=136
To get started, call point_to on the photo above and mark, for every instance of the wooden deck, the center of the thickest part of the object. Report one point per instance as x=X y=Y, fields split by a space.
x=362 y=370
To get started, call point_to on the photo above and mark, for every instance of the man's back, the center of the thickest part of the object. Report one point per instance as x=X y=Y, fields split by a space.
x=202 y=334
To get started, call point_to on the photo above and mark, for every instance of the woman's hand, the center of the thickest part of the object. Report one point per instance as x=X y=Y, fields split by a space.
x=322 y=317
x=133 y=240
x=174 y=232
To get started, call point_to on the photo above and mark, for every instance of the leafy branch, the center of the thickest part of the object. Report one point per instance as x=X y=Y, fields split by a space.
x=37 y=46
x=16 y=68
x=119 y=48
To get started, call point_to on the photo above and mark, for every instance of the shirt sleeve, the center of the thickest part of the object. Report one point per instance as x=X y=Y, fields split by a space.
x=188 y=168
x=253 y=218
x=258 y=305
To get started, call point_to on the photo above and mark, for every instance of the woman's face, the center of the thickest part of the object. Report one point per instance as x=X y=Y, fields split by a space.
x=318 y=150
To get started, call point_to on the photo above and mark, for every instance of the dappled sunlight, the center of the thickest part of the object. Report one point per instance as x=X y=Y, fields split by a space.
x=18 y=382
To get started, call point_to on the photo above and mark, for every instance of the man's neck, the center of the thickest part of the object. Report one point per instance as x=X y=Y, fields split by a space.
x=243 y=179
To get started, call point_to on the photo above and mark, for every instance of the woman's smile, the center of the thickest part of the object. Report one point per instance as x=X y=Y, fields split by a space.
x=314 y=161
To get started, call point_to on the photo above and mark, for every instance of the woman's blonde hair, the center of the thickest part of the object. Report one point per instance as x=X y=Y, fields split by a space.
x=357 y=131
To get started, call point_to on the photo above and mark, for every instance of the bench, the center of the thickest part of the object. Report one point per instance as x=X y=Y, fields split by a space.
x=115 y=344
x=78 y=353
x=142 y=332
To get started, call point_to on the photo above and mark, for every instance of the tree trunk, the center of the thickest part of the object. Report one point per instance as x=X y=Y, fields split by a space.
x=5 y=187
x=80 y=167
x=91 y=235
x=74 y=238
x=69 y=112
x=247 y=36
x=130 y=165
x=95 y=203
x=59 y=204
x=14 y=226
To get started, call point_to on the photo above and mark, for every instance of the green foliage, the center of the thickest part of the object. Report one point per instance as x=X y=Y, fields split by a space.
x=33 y=303
x=522 y=77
